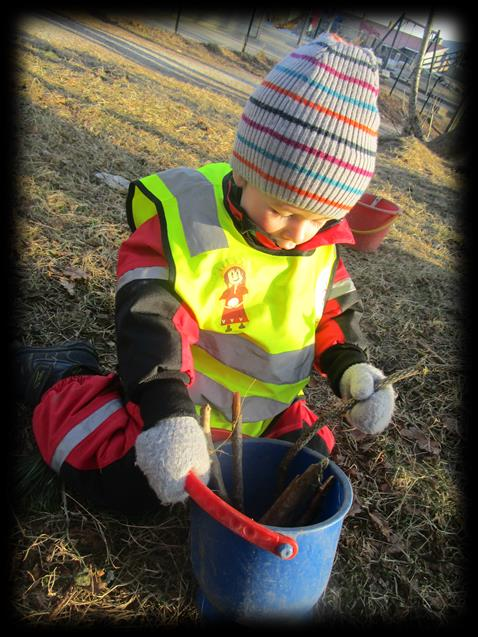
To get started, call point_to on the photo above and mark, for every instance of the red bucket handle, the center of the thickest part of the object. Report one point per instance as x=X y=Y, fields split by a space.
x=281 y=545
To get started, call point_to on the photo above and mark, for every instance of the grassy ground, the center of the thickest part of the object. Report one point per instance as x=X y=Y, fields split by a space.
x=82 y=109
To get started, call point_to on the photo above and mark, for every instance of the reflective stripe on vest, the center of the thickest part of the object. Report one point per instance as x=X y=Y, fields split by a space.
x=235 y=351
x=254 y=408
x=83 y=429
x=273 y=302
x=202 y=233
x=156 y=272
x=342 y=287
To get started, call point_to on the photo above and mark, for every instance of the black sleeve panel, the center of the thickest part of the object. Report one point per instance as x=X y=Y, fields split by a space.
x=335 y=360
x=148 y=344
x=163 y=399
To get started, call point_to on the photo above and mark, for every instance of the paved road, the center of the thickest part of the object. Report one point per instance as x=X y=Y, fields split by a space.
x=229 y=30
x=235 y=84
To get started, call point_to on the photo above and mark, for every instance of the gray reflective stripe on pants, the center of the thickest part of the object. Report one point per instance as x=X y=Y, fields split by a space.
x=239 y=353
x=197 y=208
x=82 y=430
x=154 y=272
x=254 y=408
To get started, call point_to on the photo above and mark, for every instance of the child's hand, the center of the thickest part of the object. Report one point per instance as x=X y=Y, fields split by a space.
x=374 y=411
x=168 y=451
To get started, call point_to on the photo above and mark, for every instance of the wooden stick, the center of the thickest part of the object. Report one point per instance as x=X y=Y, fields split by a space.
x=312 y=509
x=299 y=444
x=236 y=441
x=215 y=464
x=300 y=490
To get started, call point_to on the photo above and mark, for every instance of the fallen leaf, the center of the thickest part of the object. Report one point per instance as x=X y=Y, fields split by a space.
x=367 y=445
x=116 y=182
x=393 y=541
x=75 y=274
x=394 y=546
x=358 y=435
x=355 y=508
x=83 y=578
x=425 y=444
x=69 y=277
x=451 y=424
x=98 y=581
x=381 y=524
x=68 y=285
x=92 y=579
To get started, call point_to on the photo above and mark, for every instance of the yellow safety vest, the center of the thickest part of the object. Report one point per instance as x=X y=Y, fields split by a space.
x=257 y=312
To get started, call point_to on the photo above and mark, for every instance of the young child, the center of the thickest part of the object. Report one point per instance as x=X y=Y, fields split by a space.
x=230 y=281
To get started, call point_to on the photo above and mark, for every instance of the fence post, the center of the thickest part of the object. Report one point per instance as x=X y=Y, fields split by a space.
x=305 y=21
x=398 y=76
x=177 y=21
x=429 y=94
x=432 y=63
x=456 y=115
x=377 y=44
x=399 y=24
x=317 y=28
x=249 y=30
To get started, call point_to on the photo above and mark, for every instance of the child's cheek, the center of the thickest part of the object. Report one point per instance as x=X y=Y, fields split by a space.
x=271 y=224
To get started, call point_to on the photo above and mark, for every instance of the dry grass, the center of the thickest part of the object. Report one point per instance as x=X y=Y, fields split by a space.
x=83 y=109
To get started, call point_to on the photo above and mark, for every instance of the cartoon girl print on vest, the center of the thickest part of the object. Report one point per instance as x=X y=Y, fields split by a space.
x=233 y=295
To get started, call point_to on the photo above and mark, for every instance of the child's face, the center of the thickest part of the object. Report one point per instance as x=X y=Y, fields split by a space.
x=287 y=225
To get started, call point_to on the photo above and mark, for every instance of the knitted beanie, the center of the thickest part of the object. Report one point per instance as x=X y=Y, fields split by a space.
x=308 y=133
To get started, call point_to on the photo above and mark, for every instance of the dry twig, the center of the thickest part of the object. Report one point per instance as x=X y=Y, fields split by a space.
x=283 y=511
x=215 y=465
x=236 y=440
x=312 y=509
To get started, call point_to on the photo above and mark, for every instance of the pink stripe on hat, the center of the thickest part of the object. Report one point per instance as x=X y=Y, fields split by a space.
x=342 y=76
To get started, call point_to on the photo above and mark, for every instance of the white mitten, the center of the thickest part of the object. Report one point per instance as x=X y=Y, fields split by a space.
x=374 y=411
x=168 y=451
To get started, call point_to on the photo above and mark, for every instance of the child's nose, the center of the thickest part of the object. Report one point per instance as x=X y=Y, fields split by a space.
x=296 y=229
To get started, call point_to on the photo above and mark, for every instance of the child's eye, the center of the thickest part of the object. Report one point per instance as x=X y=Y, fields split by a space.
x=279 y=214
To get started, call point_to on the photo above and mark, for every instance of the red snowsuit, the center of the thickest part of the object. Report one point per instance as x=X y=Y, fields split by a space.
x=86 y=426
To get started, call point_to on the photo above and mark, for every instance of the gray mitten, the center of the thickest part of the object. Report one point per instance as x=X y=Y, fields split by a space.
x=168 y=451
x=375 y=409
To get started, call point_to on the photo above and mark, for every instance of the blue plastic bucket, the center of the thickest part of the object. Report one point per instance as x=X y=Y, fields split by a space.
x=243 y=583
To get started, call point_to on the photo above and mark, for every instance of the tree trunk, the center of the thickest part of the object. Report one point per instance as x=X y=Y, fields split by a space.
x=412 y=126
x=454 y=144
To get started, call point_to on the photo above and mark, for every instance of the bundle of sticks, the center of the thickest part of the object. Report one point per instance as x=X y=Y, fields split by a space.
x=297 y=505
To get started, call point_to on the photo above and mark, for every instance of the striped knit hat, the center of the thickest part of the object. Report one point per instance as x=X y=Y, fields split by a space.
x=308 y=133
